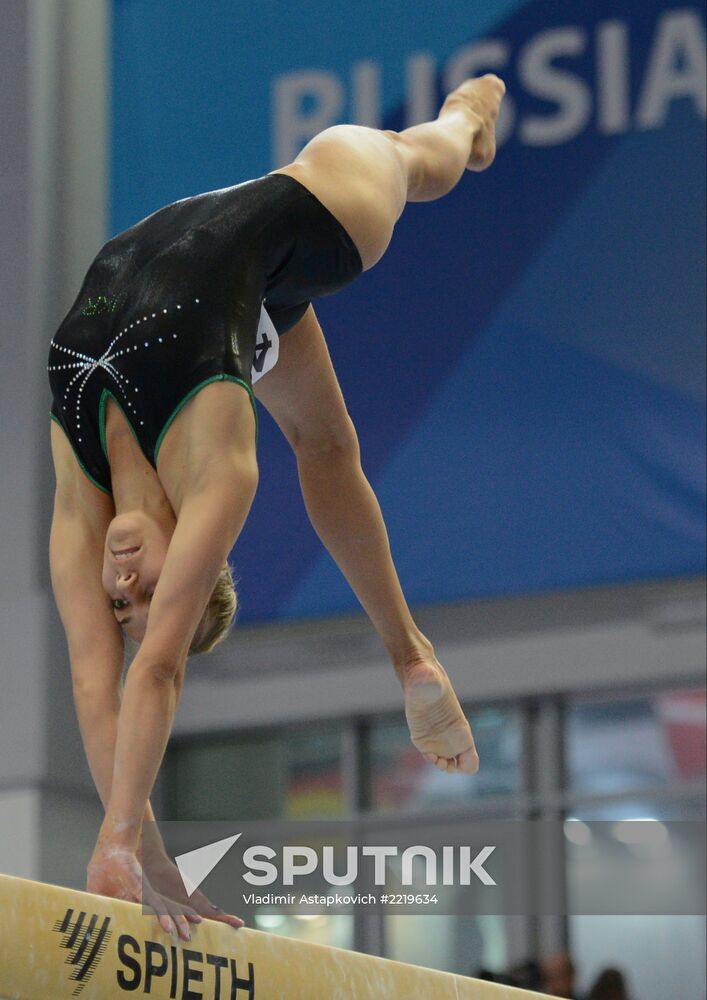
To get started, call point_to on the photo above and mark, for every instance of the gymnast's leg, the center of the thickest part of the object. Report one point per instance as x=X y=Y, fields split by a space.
x=303 y=395
x=365 y=176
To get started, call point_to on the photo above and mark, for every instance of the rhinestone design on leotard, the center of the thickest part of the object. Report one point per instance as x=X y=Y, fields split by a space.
x=107 y=362
x=103 y=304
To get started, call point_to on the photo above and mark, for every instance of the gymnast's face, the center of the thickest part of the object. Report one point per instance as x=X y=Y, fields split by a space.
x=135 y=551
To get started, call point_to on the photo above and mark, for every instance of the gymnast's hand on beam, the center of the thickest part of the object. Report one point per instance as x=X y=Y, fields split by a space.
x=164 y=876
x=116 y=872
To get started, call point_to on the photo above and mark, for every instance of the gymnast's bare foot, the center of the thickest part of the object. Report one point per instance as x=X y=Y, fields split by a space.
x=438 y=727
x=482 y=97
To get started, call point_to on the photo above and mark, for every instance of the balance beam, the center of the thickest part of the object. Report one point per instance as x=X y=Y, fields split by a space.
x=57 y=944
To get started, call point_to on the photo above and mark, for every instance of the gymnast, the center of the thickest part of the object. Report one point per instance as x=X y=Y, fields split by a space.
x=153 y=372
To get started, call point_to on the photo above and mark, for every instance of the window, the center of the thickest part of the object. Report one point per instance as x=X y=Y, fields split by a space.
x=619 y=745
x=631 y=757
x=616 y=748
x=288 y=775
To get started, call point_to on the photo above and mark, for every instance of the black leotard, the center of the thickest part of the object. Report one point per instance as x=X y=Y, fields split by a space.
x=178 y=301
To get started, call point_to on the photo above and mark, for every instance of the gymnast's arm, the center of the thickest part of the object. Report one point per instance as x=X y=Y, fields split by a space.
x=93 y=637
x=211 y=516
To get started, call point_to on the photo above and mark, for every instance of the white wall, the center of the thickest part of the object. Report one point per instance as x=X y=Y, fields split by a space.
x=19 y=832
x=52 y=219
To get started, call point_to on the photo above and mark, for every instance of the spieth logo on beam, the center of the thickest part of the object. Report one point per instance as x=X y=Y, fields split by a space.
x=141 y=964
x=86 y=940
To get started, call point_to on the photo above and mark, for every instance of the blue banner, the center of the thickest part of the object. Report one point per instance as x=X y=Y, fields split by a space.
x=532 y=415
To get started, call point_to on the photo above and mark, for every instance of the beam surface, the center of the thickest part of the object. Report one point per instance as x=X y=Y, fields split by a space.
x=57 y=944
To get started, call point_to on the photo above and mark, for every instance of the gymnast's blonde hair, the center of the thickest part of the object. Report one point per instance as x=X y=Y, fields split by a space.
x=218 y=618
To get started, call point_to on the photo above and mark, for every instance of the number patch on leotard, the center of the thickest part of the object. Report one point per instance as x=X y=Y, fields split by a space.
x=267 y=347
